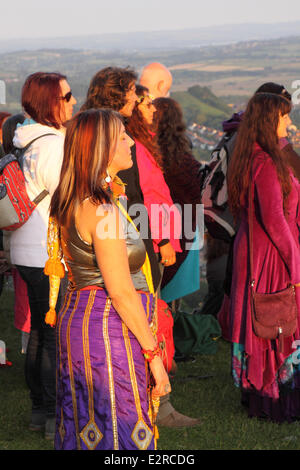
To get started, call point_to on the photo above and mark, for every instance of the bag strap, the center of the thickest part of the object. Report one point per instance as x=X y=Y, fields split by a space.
x=40 y=197
x=4 y=161
x=23 y=149
x=250 y=223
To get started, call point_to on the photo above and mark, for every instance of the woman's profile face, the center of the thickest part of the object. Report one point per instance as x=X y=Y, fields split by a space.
x=66 y=101
x=147 y=108
x=122 y=159
x=283 y=123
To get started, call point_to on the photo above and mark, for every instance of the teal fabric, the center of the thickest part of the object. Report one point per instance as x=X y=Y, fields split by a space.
x=195 y=333
x=27 y=122
x=187 y=278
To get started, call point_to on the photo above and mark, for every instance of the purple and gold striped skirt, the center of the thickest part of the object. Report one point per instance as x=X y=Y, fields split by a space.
x=102 y=377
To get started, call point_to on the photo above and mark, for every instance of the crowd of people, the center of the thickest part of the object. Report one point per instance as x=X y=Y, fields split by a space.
x=89 y=266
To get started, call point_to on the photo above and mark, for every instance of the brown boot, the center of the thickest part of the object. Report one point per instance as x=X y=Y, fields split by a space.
x=177 y=420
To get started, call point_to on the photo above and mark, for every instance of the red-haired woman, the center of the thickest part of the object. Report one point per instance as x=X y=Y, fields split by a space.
x=267 y=374
x=47 y=102
x=103 y=333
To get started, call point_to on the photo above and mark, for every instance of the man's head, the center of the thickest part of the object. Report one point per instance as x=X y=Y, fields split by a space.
x=114 y=88
x=157 y=78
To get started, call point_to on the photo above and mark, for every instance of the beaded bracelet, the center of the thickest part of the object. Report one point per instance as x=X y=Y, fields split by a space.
x=150 y=355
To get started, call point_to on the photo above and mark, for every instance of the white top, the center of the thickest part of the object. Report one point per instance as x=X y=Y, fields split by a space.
x=42 y=165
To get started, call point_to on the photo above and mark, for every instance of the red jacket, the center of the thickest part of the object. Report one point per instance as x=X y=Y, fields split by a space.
x=157 y=199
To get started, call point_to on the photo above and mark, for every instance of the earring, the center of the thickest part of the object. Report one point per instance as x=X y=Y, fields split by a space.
x=107 y=178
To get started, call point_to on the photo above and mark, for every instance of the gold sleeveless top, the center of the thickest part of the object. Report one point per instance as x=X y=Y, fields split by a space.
x=81 y=262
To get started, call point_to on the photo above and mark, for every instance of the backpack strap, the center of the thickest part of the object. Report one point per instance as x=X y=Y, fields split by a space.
x=20 y=151
x=40 y=197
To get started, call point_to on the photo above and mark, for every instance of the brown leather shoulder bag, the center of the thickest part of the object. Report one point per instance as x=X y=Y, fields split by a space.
x=274 y=315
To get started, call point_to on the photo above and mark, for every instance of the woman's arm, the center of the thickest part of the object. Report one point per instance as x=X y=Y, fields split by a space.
x=103 y=228
x=270 y=201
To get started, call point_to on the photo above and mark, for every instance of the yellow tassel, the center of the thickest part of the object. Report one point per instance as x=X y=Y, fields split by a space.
x=50 y=318
x=54 y=268
x=156 y=433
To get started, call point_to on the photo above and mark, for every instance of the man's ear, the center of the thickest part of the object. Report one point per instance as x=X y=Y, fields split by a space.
x=160 y=86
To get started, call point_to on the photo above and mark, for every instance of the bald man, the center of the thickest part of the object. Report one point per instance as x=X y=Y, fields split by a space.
x=157 y=78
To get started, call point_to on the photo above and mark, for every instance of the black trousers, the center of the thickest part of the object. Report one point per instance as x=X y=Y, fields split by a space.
x=40 y=362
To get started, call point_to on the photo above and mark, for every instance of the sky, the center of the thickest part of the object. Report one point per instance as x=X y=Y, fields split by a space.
x=60 y=18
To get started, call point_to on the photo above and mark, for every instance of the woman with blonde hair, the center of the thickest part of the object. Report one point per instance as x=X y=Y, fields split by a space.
x=106 y=328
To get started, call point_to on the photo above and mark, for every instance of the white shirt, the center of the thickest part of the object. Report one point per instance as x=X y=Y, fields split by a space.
x=41 y=165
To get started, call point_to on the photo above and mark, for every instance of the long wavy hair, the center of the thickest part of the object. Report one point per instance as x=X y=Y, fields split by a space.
x=140 y=130
x=108 y=88
x=259 y=125
x=170 y=130
x=90 y=143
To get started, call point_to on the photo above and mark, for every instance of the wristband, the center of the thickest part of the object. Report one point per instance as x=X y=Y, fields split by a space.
x=149 y=355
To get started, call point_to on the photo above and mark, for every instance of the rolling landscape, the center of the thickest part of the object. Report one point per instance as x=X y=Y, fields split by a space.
x=210 y=82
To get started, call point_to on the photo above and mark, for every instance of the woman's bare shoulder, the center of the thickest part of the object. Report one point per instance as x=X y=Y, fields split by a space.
x=88 y=215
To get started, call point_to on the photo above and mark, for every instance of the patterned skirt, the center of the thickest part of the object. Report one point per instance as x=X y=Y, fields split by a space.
x=103 y=400
x=280 y=400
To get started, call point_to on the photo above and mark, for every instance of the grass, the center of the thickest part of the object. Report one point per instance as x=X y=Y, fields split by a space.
x=224 y=423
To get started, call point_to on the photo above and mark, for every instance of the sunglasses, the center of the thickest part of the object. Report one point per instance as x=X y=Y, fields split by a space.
x=141 y=99
x=67 y=96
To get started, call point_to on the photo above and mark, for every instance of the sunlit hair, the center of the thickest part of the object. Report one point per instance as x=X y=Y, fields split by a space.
x=139 y=129
x=170 y=129
x=90 y=144
x=259 y=124
x=41 y=94
x=108 y=88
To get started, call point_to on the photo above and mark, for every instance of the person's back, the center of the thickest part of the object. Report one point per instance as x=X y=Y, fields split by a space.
x=41 y=167
x=48 y=103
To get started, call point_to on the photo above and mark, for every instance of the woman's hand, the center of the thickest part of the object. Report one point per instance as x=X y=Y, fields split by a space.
x=168 y=254
x=162 y=383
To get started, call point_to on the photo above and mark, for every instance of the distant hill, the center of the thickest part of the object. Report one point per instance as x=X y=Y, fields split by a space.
x=158 y=40
x=204 y=78
x=200 y=105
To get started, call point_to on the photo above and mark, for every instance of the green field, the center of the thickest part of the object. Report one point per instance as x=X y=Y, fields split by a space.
x=201 y=389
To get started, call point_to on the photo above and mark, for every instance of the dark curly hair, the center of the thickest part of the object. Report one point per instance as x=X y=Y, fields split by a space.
x=171 y=133
x=139 y=129
x=108 y=88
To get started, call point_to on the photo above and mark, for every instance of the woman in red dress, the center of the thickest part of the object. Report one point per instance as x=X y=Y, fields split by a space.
x=269 y=379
